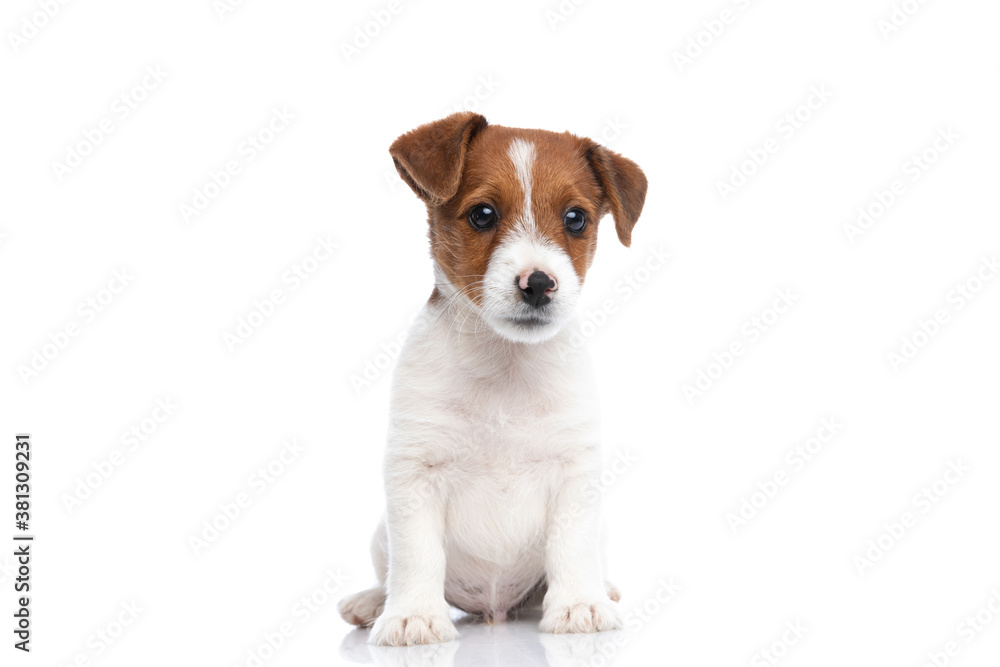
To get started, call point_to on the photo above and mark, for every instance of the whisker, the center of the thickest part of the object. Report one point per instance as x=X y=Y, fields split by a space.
x=448 y=304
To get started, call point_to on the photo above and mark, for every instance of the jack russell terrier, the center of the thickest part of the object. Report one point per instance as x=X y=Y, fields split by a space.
x=493 y=432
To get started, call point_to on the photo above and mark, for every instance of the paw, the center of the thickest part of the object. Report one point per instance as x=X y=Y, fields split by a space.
x=413 y=629
x=362 y=608
x=593 y=616
x=612 y=592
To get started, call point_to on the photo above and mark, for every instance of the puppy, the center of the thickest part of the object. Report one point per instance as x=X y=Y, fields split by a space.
x=493 y=434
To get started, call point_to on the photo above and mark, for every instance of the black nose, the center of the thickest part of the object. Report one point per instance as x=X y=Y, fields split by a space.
x=534 y=293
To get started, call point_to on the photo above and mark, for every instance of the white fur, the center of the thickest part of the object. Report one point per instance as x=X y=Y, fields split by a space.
x=503 y=307
x=522 y=154
x=493 y=439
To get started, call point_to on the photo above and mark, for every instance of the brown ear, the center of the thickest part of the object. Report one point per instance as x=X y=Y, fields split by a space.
x=624 y=187
x=430 y=158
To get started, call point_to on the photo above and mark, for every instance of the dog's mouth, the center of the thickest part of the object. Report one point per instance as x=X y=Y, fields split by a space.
x=530 y=322
x=525 y=327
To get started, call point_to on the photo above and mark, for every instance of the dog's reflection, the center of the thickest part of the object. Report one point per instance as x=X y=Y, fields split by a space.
x=516 y=642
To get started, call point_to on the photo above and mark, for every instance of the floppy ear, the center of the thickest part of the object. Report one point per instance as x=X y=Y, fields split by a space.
x=430 y=158
x=624 y=188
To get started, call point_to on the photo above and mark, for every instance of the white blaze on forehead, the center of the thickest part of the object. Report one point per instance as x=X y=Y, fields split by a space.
x=522 y=154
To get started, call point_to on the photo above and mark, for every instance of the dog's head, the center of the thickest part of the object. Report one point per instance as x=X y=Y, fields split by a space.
x=513 y=215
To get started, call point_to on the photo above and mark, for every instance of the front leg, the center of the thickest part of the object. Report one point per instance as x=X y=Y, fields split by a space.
x=415 y=609
x=576 y=599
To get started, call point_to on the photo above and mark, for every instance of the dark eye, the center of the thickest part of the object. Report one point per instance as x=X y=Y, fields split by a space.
x=575 y=220
x=482 y=216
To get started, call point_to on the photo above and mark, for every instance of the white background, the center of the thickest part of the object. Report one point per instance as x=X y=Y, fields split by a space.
x=604 y=69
